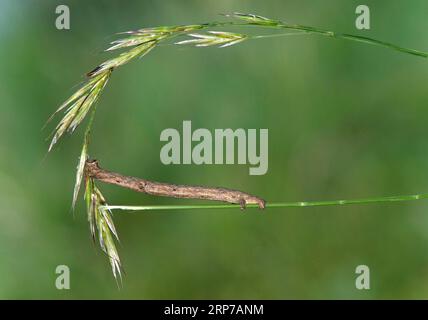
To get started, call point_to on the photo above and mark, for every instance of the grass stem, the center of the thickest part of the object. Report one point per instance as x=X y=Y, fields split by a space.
x=401 y=198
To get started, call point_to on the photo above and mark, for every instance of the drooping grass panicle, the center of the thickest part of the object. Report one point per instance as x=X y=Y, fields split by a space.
x=78 y=105
x=142 y=41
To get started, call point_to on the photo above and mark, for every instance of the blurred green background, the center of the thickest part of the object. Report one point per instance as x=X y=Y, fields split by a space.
x=345 y=120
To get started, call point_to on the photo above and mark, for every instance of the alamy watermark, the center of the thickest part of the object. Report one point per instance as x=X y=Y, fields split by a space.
x=363 y=17
x=62 y=281
x=62 y=21
x=203 y=147
x=362 y=282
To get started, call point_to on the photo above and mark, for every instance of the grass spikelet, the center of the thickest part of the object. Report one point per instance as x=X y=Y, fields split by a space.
x=142 y=36
x=101 y=222
x=131 y=41
x=254 y=19
x=165 y=30
x=79 y=93
x=80 y=169
x=139 y=51
x=212 y=38
x=90 y=205
x=79 y=105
